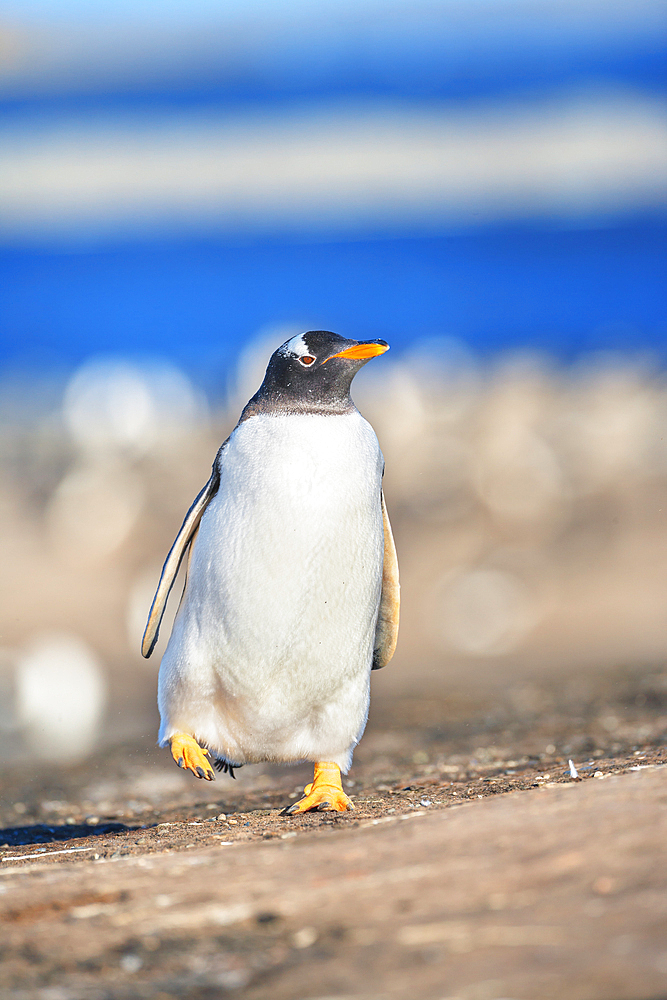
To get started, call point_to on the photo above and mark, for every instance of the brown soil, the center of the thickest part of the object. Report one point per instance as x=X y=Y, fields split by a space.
x=474 y=866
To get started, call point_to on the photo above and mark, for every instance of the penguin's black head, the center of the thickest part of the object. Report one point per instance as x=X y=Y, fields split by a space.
x=312 y=373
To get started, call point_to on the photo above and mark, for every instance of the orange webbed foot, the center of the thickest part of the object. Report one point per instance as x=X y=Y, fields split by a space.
x=187 y=753
x=324 y=793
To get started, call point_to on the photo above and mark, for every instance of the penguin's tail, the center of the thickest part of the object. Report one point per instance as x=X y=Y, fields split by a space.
x=224 y=767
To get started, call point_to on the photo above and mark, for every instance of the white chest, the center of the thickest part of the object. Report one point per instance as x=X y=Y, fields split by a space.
x=299 y=466
x=289 y=552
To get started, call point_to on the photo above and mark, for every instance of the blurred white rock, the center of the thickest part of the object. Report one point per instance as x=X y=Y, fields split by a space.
x=486 y=612
x=611 y=426
x=93 y=510
x=112 y=403
x=519 y=478
x=60 y=697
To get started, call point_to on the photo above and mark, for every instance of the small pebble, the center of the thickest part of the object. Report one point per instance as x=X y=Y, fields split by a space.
x=221 y=816
x=130 y=963
x=304 y=938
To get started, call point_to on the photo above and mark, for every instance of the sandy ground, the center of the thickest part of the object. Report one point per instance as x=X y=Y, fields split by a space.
x=473 y=866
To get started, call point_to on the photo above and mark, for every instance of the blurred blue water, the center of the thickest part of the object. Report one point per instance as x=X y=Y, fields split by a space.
x=597 y=284
x=199 y=301
x=411 y=69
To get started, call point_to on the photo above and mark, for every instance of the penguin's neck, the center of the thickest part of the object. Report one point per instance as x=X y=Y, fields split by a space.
x=282 y=399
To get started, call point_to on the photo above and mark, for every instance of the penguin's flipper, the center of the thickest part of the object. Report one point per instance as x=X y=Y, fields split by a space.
x=174 y=559
x=386 y=630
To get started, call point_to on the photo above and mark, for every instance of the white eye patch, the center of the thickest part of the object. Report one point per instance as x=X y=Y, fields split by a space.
x=298 y=347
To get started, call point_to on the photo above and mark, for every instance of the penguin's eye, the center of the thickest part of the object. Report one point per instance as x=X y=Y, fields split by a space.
x=307 y=360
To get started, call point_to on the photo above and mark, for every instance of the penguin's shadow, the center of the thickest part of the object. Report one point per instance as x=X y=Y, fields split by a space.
x=40 y=833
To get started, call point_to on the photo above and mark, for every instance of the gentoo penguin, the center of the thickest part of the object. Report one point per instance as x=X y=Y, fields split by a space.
x=291 y=595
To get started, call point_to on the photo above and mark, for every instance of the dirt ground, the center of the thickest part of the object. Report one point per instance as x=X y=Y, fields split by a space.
x=475 y=866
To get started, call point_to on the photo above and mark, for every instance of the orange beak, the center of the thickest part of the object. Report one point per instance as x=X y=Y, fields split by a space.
x=361 y=352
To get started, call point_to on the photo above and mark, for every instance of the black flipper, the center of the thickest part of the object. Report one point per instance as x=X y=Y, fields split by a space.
x=175 y=557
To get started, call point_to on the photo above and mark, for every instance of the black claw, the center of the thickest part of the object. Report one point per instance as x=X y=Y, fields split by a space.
x=181 y=762
x=288 y=810
x=225 y=767
x=200 y=771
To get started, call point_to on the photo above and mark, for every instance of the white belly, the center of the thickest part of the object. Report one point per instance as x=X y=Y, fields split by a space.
x=271 y=650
